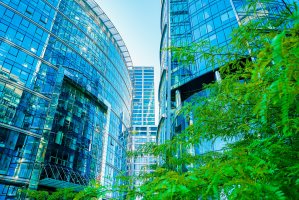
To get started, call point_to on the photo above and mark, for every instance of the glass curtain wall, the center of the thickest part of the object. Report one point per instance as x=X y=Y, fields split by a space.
x=143 y=116
x=65 y=95
x=192 y=21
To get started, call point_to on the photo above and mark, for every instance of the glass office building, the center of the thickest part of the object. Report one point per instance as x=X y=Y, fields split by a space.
x=65 y=96
x=192 y=21
x=175 y=29
x=143 y=116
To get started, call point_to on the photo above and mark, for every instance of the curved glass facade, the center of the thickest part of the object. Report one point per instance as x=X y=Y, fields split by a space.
x=65 y=95
x=179 y=36
x=162 y=108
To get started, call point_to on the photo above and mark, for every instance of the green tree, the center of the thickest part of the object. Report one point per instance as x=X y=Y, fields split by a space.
x=93 y=191
x=254 y=109
x=62 y=193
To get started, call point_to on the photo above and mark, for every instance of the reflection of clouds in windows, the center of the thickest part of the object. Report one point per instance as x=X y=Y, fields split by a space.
x=224 y=17
x=213 y=37
x=209 y=28
x=206 y=15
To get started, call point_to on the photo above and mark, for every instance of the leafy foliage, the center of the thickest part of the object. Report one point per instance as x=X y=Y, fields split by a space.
x=93 y=191
x=253 y=109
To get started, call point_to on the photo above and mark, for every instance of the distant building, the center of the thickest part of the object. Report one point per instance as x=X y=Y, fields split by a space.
x=143 y=116
x=65 y=96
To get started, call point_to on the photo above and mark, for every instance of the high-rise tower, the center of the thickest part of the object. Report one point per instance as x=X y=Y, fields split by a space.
x=143 y=115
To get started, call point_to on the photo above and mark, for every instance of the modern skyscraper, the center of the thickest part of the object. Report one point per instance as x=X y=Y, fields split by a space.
x=143 y=116
x=185 y=22
x=65 y=95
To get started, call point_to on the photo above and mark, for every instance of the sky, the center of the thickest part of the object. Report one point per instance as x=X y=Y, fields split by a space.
x=138 y=22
